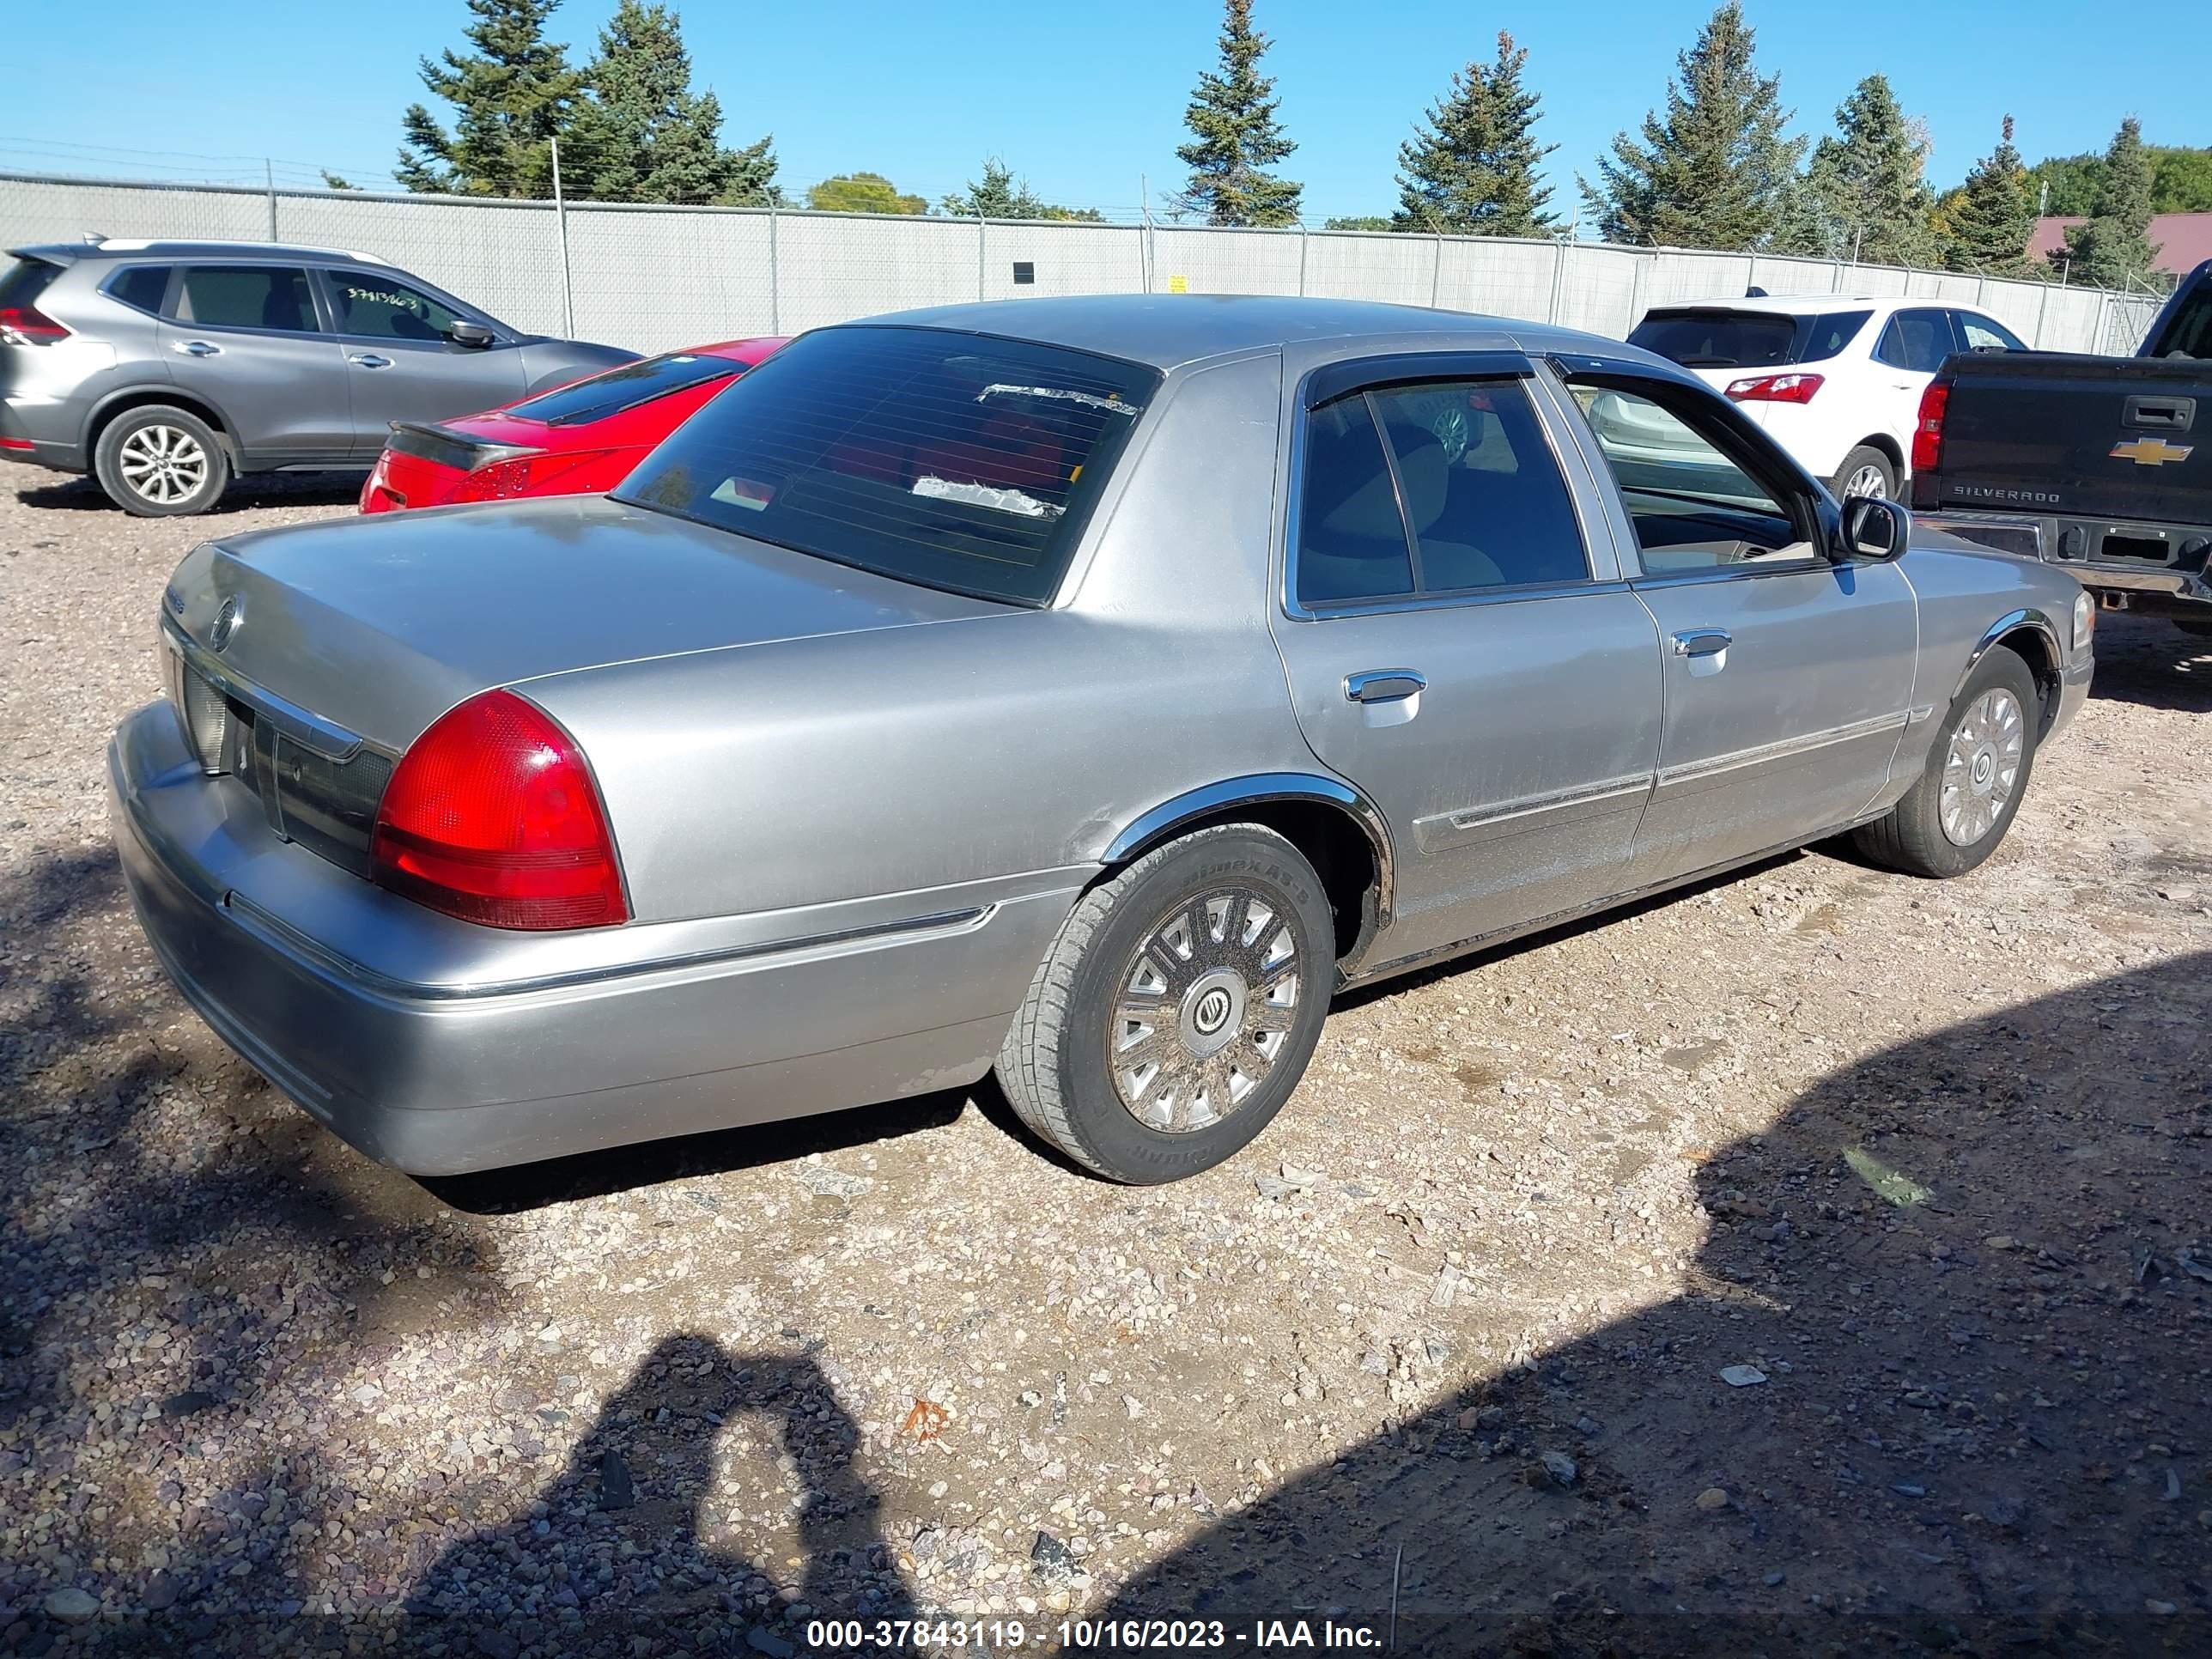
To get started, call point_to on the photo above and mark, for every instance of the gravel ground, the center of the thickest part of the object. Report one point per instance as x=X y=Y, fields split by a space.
x=1448 y=1346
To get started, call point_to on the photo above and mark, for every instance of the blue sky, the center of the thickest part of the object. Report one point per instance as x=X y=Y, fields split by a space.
x=1082 y=100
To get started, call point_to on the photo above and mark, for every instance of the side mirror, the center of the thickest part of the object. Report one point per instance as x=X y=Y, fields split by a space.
x=1874 y=527
x=475 y=336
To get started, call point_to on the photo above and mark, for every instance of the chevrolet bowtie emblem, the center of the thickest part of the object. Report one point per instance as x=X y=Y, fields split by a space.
x=2151 y=452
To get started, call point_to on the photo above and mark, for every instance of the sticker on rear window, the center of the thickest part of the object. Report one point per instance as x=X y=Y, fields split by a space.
x=975 y=495
x=745 y=493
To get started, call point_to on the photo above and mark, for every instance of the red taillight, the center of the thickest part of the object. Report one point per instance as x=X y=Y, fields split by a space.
x=521 y=475
x=24 y=444
x=1928 y=430
x=493 y=817
x=30 y=325
x=1775 y=389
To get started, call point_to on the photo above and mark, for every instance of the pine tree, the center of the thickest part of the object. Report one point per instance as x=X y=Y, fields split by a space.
x=1235 y=137
x=1714 y=171
x=512 y=95
x=2112 y=250
x=1866 y=181
x=1472 y=170
x=646 y=136
x=999 y=195
x=1993 y=215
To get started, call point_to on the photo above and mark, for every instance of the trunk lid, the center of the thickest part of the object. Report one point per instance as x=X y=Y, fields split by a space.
x=380 y=623
x=2096 y=437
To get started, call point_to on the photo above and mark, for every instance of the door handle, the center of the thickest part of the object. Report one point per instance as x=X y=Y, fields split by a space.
x=1702 y=641
x=196 y=349
x=1384 y=685
x=368 y=360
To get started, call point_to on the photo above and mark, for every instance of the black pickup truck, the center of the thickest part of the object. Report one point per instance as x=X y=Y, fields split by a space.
x=2102 y=466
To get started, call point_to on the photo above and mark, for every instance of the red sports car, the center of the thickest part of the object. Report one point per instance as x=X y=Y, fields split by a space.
x=581 y=438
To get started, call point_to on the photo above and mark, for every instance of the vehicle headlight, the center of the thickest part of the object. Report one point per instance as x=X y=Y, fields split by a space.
x=2085 y=619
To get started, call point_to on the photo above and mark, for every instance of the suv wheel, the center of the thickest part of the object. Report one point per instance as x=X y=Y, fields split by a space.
x=159 y=462
x=1178 y=1008
x=1865 y=471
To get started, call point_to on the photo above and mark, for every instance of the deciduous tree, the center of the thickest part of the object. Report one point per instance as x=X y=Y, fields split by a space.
x=862 y=192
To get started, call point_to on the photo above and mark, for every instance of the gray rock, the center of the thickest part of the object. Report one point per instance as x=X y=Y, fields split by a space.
x=1055 y=1562
x=1561 y=1469
x=73 y=1605
x=763 y=1640
x=161 y=1592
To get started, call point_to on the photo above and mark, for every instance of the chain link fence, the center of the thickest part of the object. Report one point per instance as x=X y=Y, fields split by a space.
x=650 y=278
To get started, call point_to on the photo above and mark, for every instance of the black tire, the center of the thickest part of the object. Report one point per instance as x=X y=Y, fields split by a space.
x=1866 y=456
x=1054 y=1064
x=160 y=462
x=1912 y=838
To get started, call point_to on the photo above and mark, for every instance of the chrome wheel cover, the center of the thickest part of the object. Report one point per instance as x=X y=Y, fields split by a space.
x=1204 y=1008
x=164 y=465
x=1866 y=481
x=1981 y=768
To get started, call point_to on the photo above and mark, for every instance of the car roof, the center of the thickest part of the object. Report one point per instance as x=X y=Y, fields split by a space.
x=1806 y=305
x=133 y=247
x=1168 y=332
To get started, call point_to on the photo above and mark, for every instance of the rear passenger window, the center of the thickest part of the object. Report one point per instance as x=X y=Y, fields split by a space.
x=141 y=286
x=247 y=296
x=1488 y=505
x=1352 y=541
x=1916 y=341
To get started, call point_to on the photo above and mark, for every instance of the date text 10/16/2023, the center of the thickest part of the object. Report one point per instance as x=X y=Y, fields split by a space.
x=1087 y=1635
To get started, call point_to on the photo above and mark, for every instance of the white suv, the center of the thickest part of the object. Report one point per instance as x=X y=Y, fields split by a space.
x=1836 y=378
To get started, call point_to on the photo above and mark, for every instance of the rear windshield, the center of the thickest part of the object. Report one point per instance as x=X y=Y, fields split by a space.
x=623 y=388
x=22 y=283
x=958 y=461
x=2188 y=332
x=1746 y=339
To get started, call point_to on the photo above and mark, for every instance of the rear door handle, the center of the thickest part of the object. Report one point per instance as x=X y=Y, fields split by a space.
x=197 y=349
x=368 y=360
x=1702 y=641
x=1384 y=685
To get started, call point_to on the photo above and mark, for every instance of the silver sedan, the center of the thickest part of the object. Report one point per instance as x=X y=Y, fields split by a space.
x=1079 y=690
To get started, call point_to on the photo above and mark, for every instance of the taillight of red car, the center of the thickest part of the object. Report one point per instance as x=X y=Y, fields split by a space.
x=1928 y=429
x=493 y=817
x=29 y=325
x=521 y=475
x=1775 y=389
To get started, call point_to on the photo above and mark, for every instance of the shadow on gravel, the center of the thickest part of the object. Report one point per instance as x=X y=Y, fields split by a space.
x=624 y=1542
x=594 y=1174
x=75 y=493
x=2148 y=660
x=1973 y=1278
x=156 y=1184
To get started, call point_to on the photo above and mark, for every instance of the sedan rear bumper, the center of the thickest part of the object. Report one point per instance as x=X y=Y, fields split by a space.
x=436 y=1077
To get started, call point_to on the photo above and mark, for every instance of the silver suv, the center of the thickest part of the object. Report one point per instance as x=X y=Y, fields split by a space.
x=166 y=368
